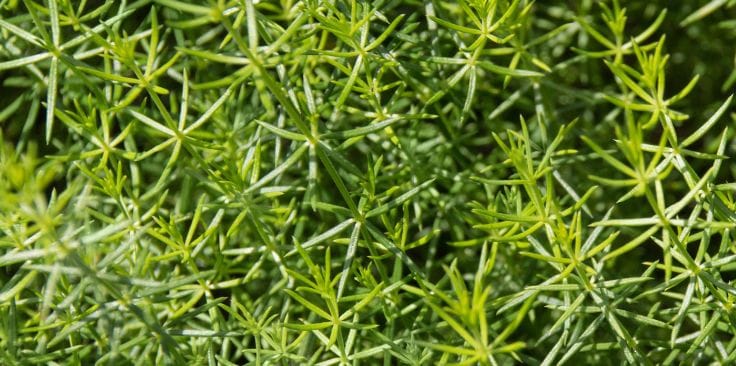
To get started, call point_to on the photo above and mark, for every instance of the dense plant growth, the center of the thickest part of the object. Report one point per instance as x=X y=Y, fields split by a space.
x=367 y=182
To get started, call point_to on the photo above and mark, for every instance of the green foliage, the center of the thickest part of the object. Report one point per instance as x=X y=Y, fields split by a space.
x=367 y=182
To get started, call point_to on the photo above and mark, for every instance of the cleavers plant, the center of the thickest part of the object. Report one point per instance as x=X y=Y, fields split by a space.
x=346 y=182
